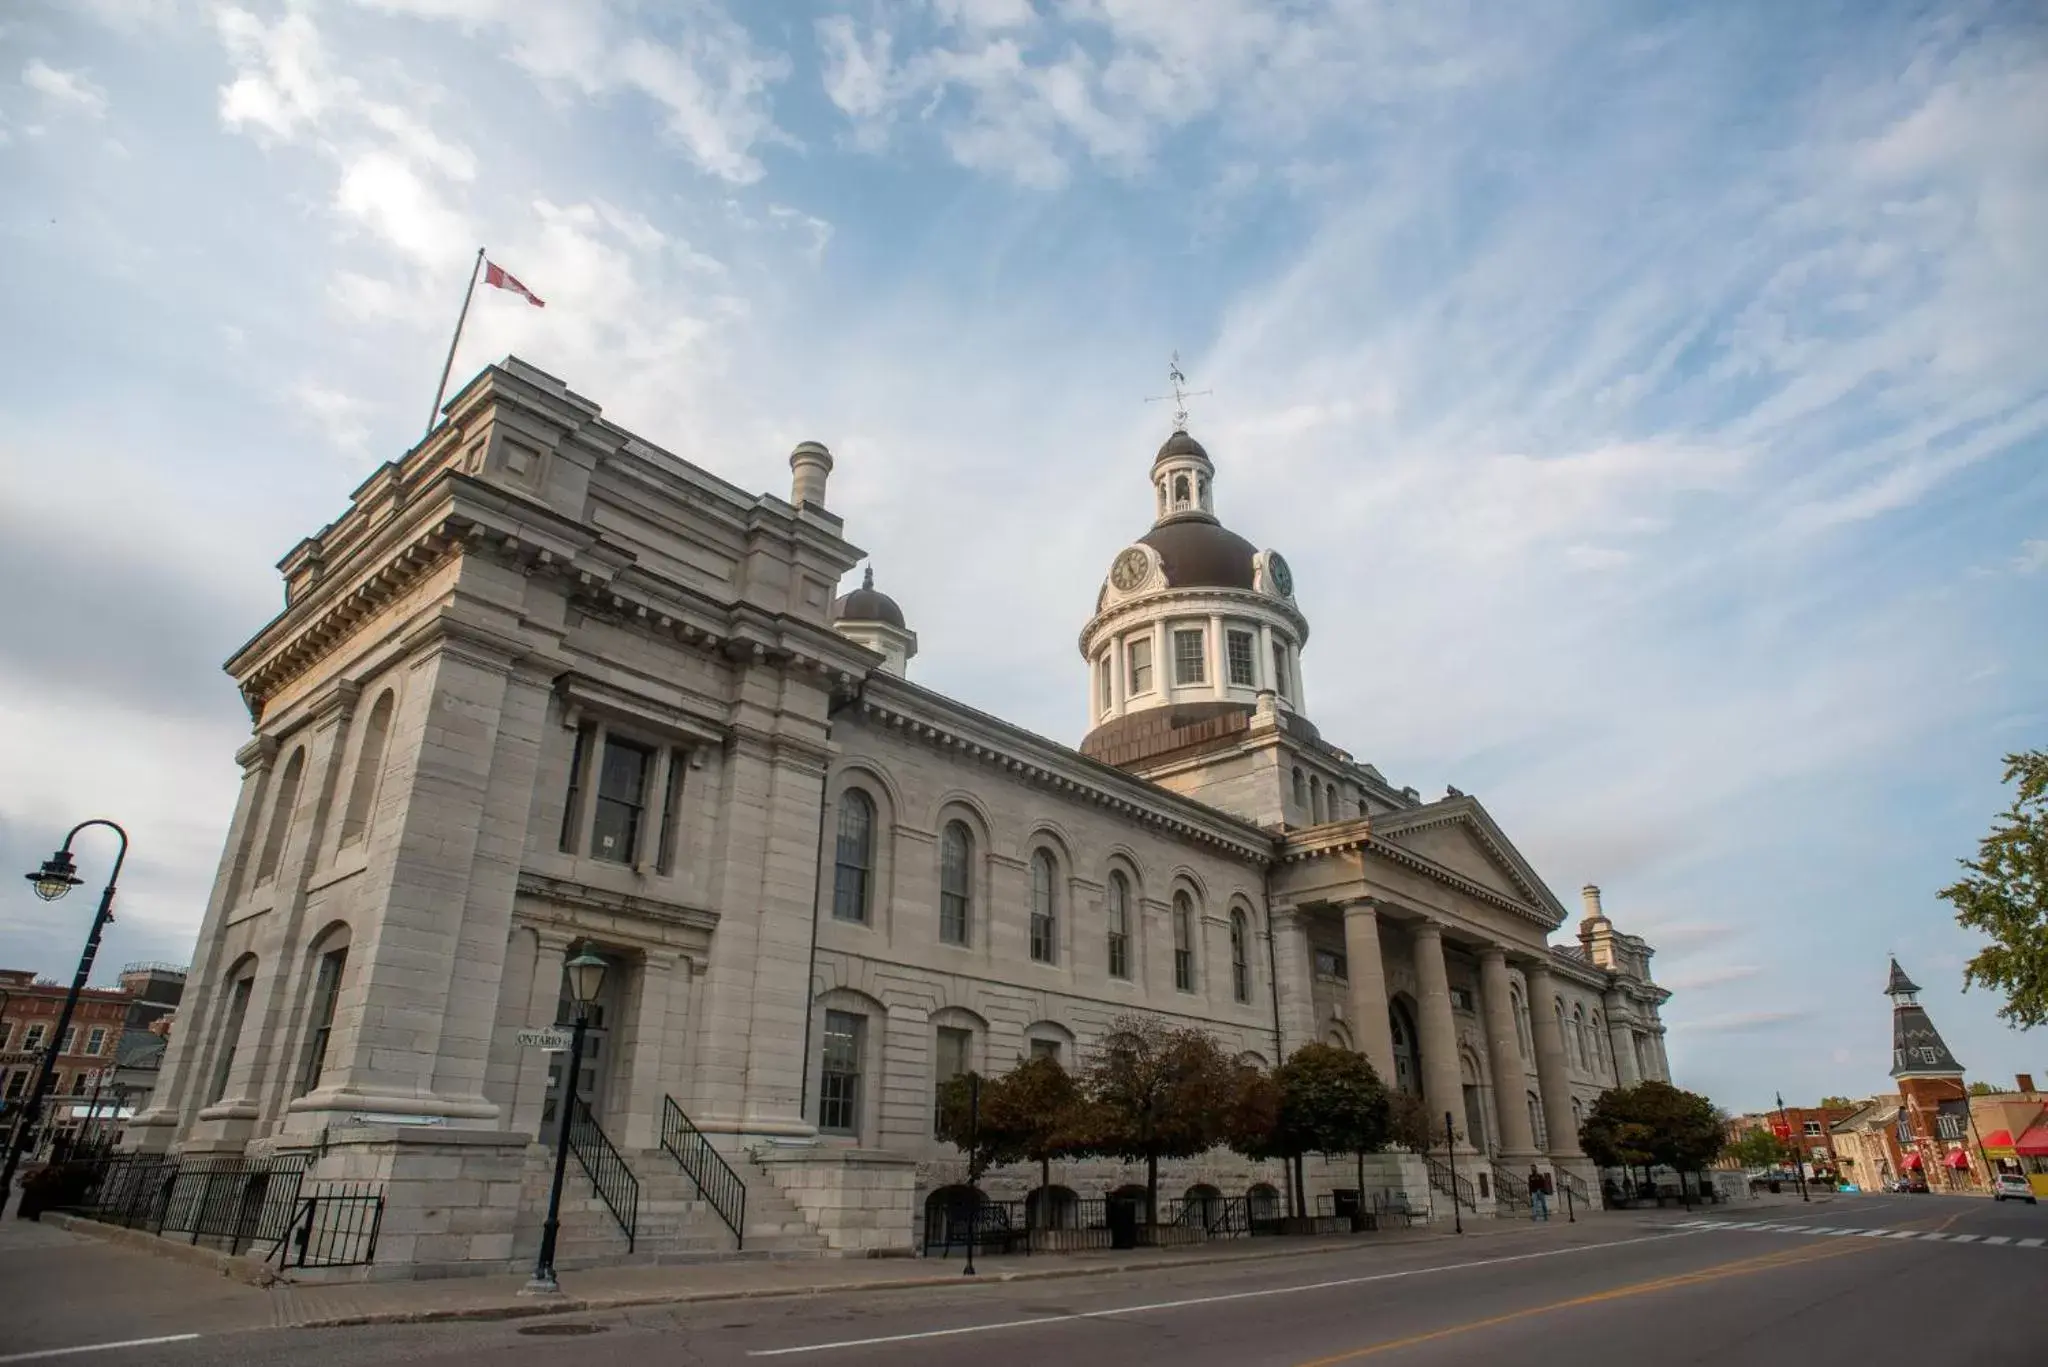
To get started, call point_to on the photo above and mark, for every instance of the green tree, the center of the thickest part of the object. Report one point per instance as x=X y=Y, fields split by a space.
x=1331 y=1101
x=1837 y=1103
x=1652 y=1123
x=1156 y=1091
x=1758 y=1148
x=1030 y=1114
x=1986 y=1089
x=1410 y=1123
x=2004 y=896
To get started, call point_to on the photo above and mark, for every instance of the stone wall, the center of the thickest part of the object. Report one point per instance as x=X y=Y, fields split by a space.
x=860 y=1200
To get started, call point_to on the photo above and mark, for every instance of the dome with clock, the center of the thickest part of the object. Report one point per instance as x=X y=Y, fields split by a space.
x=1193 y=622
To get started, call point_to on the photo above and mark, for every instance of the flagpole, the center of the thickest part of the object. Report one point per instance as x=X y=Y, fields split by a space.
x=455 y=341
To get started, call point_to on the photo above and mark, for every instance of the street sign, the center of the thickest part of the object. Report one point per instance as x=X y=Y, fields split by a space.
x=550 y=1039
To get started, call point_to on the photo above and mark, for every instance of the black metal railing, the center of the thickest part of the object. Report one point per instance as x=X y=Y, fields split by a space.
x=716 y=1182
x=1510 y=1194
x=616 y=1185
x=1074 y=1224
x=232 y=1199
x=1454 y=1185
x=336 y=1226
x=1573 y=1183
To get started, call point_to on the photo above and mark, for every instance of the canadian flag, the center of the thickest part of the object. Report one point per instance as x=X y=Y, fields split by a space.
x=497 y=275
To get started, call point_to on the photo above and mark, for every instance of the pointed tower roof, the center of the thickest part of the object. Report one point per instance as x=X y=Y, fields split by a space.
x=1918 y=1049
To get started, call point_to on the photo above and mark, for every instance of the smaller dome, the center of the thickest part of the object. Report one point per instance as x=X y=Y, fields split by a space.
x=1180 y=444
x=867 y=604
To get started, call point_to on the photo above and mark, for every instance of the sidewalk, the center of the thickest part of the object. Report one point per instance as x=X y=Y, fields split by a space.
x=484 y=1298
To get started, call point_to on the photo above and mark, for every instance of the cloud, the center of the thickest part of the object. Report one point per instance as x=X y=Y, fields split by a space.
x=1741 y=1022
x=2032 y=559
x=1697 y=980
x=68 y=91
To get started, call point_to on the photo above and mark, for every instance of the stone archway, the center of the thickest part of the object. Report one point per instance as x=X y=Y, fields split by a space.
x=1407 y=1045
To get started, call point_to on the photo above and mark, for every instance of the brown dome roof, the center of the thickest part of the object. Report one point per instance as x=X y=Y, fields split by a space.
x=1201 y=553
x=867 y=604
x=1180 y=444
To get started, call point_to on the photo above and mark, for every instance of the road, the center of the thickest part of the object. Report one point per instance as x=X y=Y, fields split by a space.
x=1619 y=1290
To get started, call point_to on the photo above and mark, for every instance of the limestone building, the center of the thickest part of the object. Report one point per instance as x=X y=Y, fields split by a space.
x=545 y=687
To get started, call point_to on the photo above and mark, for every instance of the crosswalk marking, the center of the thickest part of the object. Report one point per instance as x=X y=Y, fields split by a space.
x=1963 y=1238
x=2032 y=1243
x=1932 y=1236
x=1936 y=1235
x=1998 y=1238
x=1904 y=1234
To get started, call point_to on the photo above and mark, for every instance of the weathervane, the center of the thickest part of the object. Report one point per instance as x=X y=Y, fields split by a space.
x=1180 y=395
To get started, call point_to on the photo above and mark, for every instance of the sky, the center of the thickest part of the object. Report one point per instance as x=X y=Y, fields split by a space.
x=1651 y=400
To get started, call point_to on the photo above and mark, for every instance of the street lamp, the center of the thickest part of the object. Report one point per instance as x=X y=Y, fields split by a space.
x=973 y=1168
x=585 y=973
x=56 y=877
x=1798 y=1159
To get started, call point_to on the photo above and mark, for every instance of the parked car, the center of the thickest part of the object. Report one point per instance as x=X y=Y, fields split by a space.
x=2013 y=1185
x=1910 y=1182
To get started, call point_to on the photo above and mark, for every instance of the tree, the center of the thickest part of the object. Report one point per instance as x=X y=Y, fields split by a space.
x=1758 y=1148
x=2004 y=896
x=1837 y=1103
x=1986 y=1089
x=1652 y=1123
x=1331 y=1101
x=1029 y=1114
x=1156 y=1091
x=1409 y=1122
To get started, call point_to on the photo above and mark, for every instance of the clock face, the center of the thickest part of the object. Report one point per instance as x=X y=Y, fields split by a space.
x=1130 y=569
x=1283 y=578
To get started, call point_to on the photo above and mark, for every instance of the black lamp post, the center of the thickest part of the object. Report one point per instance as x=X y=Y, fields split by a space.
x=1798 y=1158
x=586 y=979
x=1451 y=1152
x=973 y=1168
x=56 y=877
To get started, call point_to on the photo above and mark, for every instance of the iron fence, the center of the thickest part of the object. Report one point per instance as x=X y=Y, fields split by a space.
x=1510 y=1194
x=716 y=1182
x=1452 y=1184
x=336 y=1226
x=1065 y=1224
x=616 y=1185
x=235 y=1200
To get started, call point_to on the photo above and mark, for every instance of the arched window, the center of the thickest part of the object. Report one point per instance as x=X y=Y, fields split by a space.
x=355 y=820
x=1183 y=942
x=1044 y=908
x=327 y=969
x=956 y=882
x=1579 y=1043
x=1537 y=1129
x=1240 y=958
x=1180 y=491
x=1521 y=1011
x=1578 y=1114
x=853 y=863
x=241 y=984
x=1564 y=1034
x=1301 y=791
x=1119 y=925
x=1599 y=1037
x=1316 y=794
x=1363 y=810
x=281 y=816
x=1407 y=1050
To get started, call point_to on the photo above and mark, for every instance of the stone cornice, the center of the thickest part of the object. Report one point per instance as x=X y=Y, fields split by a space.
x=582 y=897
x=944 y=724
x=1465 y=810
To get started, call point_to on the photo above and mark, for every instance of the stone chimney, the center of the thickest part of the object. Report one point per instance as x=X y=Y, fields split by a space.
x=2026 y=1081
x=1596 y=932
x=809 y=464
x=1590 y=894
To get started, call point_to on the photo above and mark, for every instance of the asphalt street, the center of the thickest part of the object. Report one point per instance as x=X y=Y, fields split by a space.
x=1874 y=1279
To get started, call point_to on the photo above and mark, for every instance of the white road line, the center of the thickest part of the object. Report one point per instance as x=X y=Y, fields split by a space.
x=1936 y=1235
x=1998 y=1238
x=2031 y=1243
x=1039 y=1320
x=43 y=1354
x=1845 y=1230
x=1905 y=1234
x=1963 y=1238
x=1877 y=1234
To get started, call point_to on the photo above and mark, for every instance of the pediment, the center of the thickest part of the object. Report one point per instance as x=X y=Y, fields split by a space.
x=1458 y=835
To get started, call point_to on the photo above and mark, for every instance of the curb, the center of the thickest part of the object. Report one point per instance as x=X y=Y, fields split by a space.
x=228 y=1265
x=573 y=1305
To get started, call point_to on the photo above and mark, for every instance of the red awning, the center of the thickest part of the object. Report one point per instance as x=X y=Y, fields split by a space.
x=2034 y=1143
x=1958 y=1159
x=1998 y=1139
x=1911 y=1162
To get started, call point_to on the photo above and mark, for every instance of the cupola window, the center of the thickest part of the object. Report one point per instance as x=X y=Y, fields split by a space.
x=1188 y=653
x=1280 y=668
x=1241 y=657
x=1141 y=665
x=1180 y=491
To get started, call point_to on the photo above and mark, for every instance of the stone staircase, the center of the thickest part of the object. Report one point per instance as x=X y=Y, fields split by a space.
x=675 y=1224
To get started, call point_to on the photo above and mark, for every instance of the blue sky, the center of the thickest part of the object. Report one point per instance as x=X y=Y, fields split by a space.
x=1652 y=403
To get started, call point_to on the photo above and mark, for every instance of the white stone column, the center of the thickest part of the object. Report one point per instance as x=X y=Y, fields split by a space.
x=1162 y=663
x=1663 y=1059
x=637 y=1114
x=1553 y=1079
x=1621 y=1043
x=1371 y=1029
x=1219 y=657
x=1293 y=979
x=1262 y=667
x=1119 y=676
x=1441 y=1083
x=1503 y=1046
x=1300 y=685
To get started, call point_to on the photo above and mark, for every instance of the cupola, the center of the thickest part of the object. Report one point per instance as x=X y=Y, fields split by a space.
x=872 y=618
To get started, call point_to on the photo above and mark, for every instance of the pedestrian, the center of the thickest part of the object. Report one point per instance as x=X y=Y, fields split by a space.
x=1539 y=1194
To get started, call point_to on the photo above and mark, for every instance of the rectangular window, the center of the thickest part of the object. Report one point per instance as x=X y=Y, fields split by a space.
x=1813 y=1129
x=572 y=808
x=326 y=989
x=1461 y=999
x=17 y=1082
x=621 y=801
x=1102 y=673
x=96 y=1040
x=81 y=1083
x=671 y=810
x=1046 y=1048
x=70 y=1039
x=34 y=1038
x=1240 y=649
x=230 y=1035
x=1189 y=656
x=1331 y=964
x=1119 y=953
x=949 y=1061
x=839 y=1085
x=1041 y=938
x=1141 y=665
x=1280 y=669
x=6 y=1034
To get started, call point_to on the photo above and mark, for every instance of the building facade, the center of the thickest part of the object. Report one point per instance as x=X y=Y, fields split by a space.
x=86 y=1055
x=1933 y=1123
x=545 y=687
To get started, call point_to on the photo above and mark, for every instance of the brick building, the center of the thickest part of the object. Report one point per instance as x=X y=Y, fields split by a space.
x=86 y=1054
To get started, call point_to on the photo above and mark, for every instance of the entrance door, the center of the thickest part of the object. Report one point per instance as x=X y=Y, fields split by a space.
x=591 y=1076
